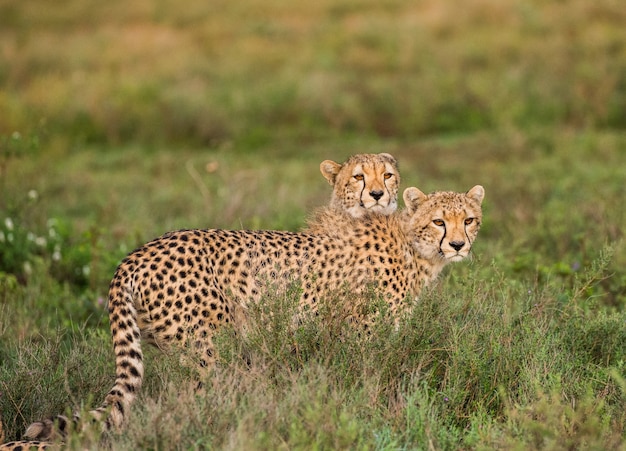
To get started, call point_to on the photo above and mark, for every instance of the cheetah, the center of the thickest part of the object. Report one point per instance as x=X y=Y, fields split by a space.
x=22 y=445
x=28 y=445
x=180 y=288
x=364 y=183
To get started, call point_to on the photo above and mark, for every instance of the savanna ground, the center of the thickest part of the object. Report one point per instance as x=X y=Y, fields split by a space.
x=122 y=120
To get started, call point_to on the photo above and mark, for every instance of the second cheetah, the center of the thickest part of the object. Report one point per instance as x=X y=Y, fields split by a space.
x=365 y=183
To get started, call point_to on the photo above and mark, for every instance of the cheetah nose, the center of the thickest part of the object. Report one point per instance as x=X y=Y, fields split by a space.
x=457 y=245
x=377 y=194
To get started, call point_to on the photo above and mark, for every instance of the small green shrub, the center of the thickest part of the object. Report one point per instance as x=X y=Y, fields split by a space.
x=73 y=258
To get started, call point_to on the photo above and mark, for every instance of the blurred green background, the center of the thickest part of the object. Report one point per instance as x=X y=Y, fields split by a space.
x=249 y=74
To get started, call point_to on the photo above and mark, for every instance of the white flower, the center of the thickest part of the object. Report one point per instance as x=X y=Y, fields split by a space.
x=40 y=241
x=86 y=270
x=56 y=255
x=30 y=236
x=8 y=222
x=33 y=195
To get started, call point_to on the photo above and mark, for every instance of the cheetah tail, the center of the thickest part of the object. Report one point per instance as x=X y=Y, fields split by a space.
x=128 y=368
x=51 y=428
x=20 y=445
x=128 y=355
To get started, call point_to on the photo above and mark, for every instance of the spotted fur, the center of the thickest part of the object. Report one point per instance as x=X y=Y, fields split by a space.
x=179 y=288
x=28 y=445
x=22 y=445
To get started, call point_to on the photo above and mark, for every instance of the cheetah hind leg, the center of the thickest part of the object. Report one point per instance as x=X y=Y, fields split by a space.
x=199 y=357
x=200 y=353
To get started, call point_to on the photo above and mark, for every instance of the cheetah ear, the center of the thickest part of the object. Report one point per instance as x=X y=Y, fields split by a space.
x=329 y=170
x=477 y=193
x=413 y=198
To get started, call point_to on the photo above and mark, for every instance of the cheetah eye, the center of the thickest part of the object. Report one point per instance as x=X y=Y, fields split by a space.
x=468 y=221
x=438 y=222
x=388 y=175
x=359 y=177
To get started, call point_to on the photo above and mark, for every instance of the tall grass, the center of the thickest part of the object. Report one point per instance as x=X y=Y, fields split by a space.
x=122 y=121
x=476 y=365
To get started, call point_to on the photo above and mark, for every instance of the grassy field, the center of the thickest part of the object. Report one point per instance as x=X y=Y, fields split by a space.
x=121 y=121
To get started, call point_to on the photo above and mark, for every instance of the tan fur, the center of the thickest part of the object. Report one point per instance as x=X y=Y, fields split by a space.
x=28 y=445
x=179 y=288
x=22 y=445
x=365 y=183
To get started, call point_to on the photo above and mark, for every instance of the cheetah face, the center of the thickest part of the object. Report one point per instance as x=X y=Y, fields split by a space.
x=364 y=183
x=444 y=224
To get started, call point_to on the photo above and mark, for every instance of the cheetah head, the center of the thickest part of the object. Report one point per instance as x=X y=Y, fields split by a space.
x=364 y=183
x=443 y=225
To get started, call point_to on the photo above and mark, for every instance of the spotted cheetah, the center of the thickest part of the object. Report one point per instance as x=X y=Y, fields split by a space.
x=22 y=445
x=28 y=445
x=179 y=288
x=364 y=183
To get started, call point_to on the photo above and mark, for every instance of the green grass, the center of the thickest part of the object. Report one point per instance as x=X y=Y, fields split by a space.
x=122 y=122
